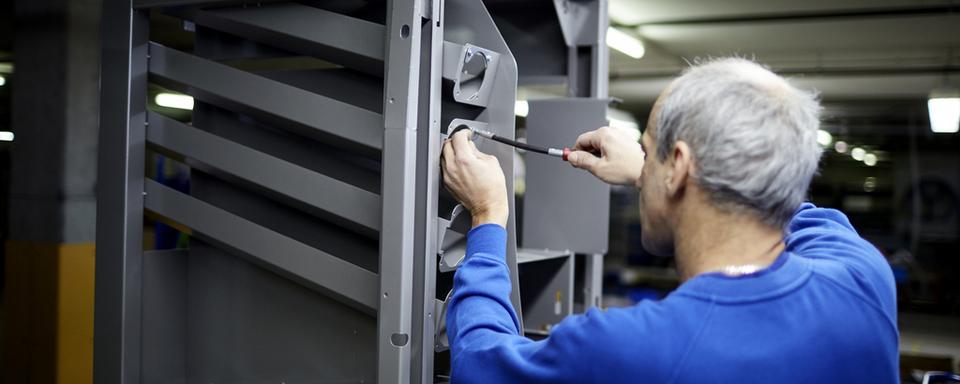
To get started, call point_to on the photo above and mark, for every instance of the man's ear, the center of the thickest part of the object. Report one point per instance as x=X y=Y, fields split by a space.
x=679 y=168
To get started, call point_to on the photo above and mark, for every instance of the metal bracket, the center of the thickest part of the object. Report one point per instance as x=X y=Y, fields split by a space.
x=447 y=237
x=473 y=124
x=440 y=340
x=472 y=70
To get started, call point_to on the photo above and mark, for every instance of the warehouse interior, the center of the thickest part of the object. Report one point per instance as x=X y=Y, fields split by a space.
x=171 y=171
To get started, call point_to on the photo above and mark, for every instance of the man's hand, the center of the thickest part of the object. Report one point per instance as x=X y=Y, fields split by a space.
x=475 y=179
x=609 y=154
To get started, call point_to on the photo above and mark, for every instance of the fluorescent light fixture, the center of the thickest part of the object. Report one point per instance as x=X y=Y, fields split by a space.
x=521 y=108
x=824 y=137
x=623 y=42
x=6 y=136
x=870 y=159
x=858 y=153
x=174 y=100
x=840 y=146
x=944 y=113
x=3 y=80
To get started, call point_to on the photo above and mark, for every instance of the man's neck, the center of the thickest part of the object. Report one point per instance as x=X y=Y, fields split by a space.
x=710 y=240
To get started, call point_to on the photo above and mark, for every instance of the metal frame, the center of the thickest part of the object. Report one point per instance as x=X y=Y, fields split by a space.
x=122 y=147
x=261 y=191
x=399 y=174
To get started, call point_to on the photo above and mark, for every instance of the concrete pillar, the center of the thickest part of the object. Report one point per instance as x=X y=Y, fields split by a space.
x=50 y=250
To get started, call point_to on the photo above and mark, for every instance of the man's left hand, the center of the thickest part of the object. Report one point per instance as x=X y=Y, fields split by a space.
x=475 y=179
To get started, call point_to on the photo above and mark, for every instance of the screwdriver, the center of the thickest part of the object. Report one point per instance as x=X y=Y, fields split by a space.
x=561 y=153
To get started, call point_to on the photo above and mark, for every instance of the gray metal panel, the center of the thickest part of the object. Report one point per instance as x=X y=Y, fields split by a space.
x=342 y=84
x=467 y=21
x=341 y=39
x=547 y=288
x=401 y=118
x=249 y=325
x=328 y=194
x=117 y=312
x=315 y=268
x=219 y=84
x=165 y=316
x=564 y=207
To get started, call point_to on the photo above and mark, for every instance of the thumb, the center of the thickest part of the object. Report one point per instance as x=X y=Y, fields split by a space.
x=583 y=160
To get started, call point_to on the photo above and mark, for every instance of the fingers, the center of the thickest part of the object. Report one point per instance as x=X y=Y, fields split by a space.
x=462 y=146
x=447 y=155
x=583 y=160
x=590 y=141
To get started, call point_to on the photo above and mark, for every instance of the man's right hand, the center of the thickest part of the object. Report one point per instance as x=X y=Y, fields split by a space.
x=610 y=154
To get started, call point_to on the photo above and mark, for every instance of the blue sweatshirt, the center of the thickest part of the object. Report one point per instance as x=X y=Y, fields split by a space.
x=824 y=311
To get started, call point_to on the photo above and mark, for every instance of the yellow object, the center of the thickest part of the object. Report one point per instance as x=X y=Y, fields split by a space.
x=49 y=313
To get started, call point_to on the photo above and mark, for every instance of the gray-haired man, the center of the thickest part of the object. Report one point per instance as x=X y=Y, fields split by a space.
x=773 y=290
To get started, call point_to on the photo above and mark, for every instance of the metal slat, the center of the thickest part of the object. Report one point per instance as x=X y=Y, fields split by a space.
x=147 y=4
x=264 y=98
x=348 y=41
x=325 y=193
x=349 y=283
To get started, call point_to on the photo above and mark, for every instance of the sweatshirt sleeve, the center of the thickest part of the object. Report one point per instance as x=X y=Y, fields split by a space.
x=826 y=234
x=486 y=343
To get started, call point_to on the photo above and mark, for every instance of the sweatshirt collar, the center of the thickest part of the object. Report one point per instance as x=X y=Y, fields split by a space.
x=786 y=274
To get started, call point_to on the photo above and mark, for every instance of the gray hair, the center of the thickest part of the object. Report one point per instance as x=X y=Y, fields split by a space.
x=752 y=134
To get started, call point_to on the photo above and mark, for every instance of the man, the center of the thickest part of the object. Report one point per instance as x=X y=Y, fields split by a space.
x=773 y=290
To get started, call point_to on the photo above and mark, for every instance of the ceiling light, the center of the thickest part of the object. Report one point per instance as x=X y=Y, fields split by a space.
x=3 y=80
x=858 y=153
x=174 y=100
x=6 y=136
x=824 y=137
x=870 y=184
x=840 y=147
x=623 y=42
x=944 y=109
x=870 y=159
x=521 y=108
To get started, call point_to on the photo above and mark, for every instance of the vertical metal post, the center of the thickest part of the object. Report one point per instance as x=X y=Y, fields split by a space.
x=398 y=190
x=600 y=59
x=120 y=194
x=428 y=184
x=587 y=54
x=593 y=281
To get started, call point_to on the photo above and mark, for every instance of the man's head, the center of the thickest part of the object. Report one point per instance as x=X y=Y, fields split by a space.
x=730 y=136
